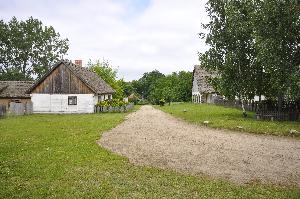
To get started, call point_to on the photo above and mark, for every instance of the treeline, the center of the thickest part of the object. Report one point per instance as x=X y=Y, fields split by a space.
x=254 y=46
x=155 y=86
x=152 y=87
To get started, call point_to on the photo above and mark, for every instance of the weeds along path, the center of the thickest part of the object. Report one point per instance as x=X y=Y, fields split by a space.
x=153 y=138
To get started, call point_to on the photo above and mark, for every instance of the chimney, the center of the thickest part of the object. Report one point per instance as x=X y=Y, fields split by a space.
x=78 y=62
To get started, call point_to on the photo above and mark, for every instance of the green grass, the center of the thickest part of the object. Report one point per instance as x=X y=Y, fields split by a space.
x=228 y=118
x=56 y=156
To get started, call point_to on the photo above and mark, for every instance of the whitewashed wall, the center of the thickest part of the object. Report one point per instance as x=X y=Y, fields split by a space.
x=195 y=89
x=58 y=103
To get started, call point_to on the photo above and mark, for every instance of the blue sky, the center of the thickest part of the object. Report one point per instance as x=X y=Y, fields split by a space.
x=136 y=36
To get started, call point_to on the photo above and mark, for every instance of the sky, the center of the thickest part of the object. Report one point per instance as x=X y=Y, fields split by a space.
x=135 y=36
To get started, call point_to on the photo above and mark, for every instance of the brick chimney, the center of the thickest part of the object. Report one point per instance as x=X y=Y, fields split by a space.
x=78 y=62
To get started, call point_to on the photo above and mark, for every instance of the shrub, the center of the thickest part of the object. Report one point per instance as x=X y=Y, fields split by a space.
x=162 y=102
x=112 y=103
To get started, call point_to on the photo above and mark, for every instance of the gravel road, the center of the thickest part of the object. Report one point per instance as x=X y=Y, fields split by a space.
x=154 y=138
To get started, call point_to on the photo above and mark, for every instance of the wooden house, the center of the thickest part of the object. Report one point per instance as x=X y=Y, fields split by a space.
x=68 y=88
x=202 y=91
x=14 y=91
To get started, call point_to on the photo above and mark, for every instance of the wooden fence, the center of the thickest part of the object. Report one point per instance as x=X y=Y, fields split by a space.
x=249 y=106
x=266 y=110
x=276 y=115
x=111 y=109
x=2 y=111
x=20 y=108
x=16 y=109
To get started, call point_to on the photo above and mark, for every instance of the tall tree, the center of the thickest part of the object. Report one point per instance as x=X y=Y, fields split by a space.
x=231 y=52
x=172 y=87
x=184 y=86
x=28 y=49
x=254 y=46
x=109 y=74
x=147 y=81
x=277 y=41
x=164 y=88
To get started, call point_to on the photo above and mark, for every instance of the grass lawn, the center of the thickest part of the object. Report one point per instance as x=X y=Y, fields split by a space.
x=56 y=156
x=228 y=118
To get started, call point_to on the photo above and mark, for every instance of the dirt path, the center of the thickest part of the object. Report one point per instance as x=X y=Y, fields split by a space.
x=154 y=138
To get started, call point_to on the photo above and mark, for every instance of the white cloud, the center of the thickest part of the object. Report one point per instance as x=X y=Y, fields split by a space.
x=163 y=35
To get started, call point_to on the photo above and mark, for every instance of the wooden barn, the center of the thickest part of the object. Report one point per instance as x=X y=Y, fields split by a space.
x=14 y=91
x=202 y=91
x=68 y=88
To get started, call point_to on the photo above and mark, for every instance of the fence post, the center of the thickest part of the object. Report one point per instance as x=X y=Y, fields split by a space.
x=2 y=111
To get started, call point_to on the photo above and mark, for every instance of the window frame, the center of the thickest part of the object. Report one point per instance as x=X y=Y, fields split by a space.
x=72 y=99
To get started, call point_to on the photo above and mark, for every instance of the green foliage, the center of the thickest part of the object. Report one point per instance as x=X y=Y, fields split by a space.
x=109 y=74
x=155 y=86
x=229 y=118
x=254 y=46
x=127 y=88
x=164 y=88
x=28 y=49
x=144 y=85
x=277 y=36
x=56 y=156
x=184 y=86
x=113 y=103
x=230 y=53
x=162 y=102
x=174 y=87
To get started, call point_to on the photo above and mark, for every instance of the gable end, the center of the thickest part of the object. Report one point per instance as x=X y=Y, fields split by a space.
x=61 y=80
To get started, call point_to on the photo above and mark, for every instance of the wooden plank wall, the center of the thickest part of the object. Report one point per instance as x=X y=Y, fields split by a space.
x=62 y=81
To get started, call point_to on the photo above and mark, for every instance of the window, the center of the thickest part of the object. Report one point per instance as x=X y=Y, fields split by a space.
x=100 y=98
x=72 y=100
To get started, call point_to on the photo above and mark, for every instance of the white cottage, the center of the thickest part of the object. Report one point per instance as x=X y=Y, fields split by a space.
x=68 y=88
x=202 y=91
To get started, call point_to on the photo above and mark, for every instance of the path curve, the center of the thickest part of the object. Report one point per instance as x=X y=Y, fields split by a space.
x=154 y=138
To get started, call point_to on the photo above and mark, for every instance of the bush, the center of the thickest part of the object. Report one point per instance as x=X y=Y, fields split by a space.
x=112 y=103
x=162 y=102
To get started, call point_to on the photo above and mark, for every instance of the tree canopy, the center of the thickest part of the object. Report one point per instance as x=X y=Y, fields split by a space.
x=155 y=86
x=28 y=49
x=254 y=46
x=109 y=74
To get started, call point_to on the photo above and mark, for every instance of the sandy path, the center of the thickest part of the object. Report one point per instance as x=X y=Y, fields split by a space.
x=152 y=137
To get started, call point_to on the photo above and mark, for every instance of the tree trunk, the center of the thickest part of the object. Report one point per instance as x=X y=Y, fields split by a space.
x=280 y=102
x=243 y=108
x=24 y=69
x=259 y=103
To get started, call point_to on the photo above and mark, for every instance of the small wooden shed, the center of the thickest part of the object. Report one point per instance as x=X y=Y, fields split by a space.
x=14 y=91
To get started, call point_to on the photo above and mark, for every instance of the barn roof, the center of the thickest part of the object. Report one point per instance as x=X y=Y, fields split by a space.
x=15 y=89
x=92 y=80
x=201 y=76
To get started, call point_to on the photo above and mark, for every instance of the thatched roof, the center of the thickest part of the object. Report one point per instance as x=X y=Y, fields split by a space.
x=201 y=76
x=15 y=89
x=92 y=80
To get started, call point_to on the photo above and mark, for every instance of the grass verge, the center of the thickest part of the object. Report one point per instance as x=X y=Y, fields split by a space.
x=229 y=118
x=56 y=156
